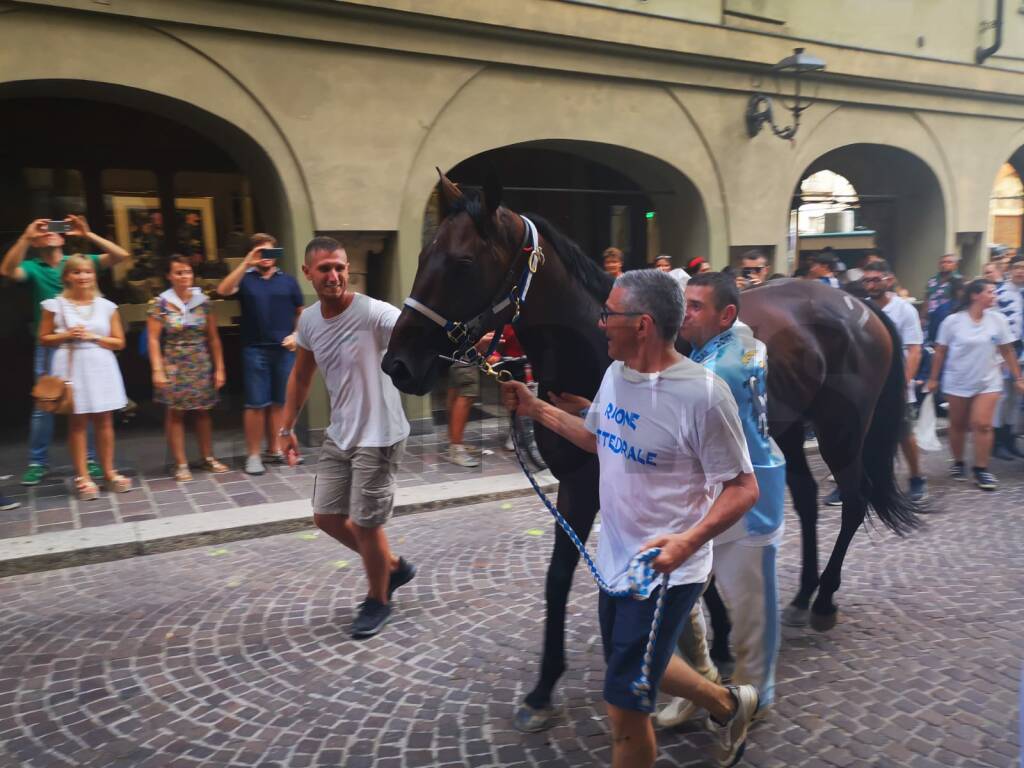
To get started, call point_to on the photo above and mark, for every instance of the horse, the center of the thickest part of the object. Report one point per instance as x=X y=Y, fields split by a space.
x=833 y=361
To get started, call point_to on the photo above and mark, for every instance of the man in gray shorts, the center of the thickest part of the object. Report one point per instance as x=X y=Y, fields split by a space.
x=345 y=334
x=463 y=390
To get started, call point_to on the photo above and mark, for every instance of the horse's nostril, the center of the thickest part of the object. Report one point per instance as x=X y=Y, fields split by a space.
x=396 y=369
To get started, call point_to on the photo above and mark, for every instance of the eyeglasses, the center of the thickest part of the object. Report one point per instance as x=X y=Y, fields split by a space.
x=867 y=280
x=606 y=313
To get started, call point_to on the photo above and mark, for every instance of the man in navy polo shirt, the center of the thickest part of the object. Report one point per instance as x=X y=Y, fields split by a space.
x=271 y=305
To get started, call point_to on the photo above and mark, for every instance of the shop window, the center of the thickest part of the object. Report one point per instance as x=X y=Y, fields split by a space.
x=219 y=222
x=131 y=204
x=45 y=193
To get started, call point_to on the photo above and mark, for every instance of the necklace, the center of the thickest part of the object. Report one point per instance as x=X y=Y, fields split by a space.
x=84 y=311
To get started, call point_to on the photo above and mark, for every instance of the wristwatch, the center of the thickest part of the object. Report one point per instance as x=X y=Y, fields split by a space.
x=285 y=432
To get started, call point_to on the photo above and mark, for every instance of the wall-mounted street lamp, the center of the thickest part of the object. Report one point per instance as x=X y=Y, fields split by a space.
x=759 y=107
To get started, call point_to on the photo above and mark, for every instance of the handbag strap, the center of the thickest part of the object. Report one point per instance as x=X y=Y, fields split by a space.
x=71 y=346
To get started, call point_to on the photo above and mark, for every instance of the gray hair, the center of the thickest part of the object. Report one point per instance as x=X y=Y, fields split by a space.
x=654 y=293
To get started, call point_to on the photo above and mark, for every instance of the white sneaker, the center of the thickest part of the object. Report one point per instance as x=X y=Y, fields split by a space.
x=507 y=445
x=679 y=710
x=731 y=739
x=254 y=466
x=458 y=454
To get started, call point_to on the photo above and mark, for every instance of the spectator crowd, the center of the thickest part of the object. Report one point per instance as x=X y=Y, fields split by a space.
x=962 y=342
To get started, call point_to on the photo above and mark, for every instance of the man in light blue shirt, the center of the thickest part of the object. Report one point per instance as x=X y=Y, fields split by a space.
x=745 y=554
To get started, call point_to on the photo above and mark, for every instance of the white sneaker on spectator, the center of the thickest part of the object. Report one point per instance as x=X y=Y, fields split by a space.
x=507 y=445
x=460 y=455
x=254 y=466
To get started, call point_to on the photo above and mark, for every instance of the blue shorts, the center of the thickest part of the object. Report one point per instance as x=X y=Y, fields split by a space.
x=625 y=627
x=266 y=375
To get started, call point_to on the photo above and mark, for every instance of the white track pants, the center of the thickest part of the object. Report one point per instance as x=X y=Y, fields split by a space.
x=1007 y=411
x=745 y=578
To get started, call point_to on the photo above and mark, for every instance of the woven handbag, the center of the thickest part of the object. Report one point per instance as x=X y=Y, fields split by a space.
x=52 y=393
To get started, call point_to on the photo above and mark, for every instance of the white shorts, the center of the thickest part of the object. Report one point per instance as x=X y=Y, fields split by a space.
x=958 y=387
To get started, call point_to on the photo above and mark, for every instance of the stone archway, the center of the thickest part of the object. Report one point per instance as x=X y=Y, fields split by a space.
x=600 y=195
x=900 y=202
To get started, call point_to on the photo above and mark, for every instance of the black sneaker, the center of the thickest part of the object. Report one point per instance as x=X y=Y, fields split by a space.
x=372 y=616
x=984 y=479
x=957 y=471
x=401 y=576
x=918 y=489
x=834 y=499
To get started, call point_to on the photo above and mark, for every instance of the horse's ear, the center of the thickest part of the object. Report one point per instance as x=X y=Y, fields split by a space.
x=492 y=190
x=450 y=192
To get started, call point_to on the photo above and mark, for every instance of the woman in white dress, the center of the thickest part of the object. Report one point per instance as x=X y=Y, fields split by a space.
x=86 y=328
x=969 y=347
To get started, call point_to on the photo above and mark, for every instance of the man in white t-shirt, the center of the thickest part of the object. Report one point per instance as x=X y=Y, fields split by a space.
x=345 y=334
x=877 y=281
x=666 y=432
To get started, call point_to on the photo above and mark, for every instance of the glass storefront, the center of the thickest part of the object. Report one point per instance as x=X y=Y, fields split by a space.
x=152 y=186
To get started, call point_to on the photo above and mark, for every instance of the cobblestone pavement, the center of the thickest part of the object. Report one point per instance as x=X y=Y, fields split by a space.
x=239 y=655
x=51 y=507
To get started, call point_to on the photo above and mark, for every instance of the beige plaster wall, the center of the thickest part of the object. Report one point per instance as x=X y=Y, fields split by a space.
x=500 y=107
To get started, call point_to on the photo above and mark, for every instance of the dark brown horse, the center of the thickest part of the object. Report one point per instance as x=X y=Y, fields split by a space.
x=833 y=361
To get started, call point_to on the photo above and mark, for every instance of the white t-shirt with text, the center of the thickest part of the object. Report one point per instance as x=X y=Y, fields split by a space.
x=366 y=409
x=972 y=360
x=664 y=442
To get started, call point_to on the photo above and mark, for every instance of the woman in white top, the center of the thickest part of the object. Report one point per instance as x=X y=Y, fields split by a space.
x=86 y=330
x=971 y=342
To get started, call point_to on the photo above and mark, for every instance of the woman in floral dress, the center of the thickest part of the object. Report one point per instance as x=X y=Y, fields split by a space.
x=188 y=364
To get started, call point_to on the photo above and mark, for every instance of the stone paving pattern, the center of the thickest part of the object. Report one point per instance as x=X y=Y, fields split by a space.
x=239 y=655
x=51 y=507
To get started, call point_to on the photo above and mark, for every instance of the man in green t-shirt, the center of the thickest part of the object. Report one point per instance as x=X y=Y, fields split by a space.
x=42 y=273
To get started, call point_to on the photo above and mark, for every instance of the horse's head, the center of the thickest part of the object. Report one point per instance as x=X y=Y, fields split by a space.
x=461 y=272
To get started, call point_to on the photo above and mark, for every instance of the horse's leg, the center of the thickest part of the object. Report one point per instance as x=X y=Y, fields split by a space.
x=841 y=445
x=578 y=503
x=804 y=490
x=824 y=613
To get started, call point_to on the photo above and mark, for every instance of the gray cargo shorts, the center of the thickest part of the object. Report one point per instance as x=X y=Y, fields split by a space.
x=465 y=380
x=357 y=482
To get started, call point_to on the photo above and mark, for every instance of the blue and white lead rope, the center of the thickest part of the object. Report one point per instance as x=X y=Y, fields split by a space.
x=641 y=576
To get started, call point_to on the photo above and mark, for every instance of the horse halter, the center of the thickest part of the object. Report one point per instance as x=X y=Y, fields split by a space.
x=465 y=335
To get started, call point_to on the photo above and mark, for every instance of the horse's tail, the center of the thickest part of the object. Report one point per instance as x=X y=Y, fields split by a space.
x=896 y=511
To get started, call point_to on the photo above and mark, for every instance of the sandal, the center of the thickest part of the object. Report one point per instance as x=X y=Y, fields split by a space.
x=182 y=473
x=118 y=483
x=210 y=464
x=86 y=489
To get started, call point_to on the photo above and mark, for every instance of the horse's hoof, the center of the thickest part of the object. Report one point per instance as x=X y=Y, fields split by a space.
x=794 y=617
x=530 y=720
x=823 y=622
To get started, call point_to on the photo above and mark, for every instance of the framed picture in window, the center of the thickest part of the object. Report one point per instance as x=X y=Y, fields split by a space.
x=139 y=228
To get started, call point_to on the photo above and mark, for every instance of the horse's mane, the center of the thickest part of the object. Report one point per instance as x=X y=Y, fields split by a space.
x=471 y=202
x=582 y=268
